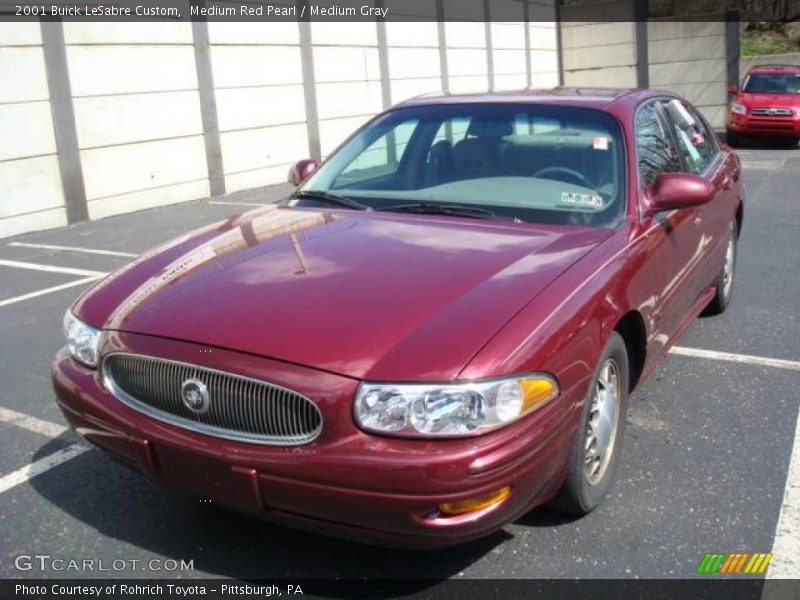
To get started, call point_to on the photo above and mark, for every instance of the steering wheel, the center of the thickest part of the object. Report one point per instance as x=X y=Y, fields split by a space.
x=572 y=175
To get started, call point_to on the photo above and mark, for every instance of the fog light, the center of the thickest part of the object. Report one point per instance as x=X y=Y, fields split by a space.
x=466 y=506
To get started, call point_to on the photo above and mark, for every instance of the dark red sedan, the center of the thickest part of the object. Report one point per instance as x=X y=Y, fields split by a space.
x=439 y=329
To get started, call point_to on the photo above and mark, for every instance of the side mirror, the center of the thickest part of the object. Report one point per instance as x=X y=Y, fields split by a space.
x=672 y=191
x=733 y=88
x=301 y=170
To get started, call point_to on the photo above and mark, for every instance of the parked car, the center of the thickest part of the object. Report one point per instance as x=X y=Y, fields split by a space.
x=767 y=105
x=437 y=332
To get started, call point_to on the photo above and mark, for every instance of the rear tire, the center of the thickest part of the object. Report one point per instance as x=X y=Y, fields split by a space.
x=595 y=453
x=724 y=285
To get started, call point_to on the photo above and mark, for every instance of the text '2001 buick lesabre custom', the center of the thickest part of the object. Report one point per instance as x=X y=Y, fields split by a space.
x=437 y=332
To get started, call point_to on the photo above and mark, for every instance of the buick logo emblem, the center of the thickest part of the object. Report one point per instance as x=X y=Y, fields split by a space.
x=194 y=395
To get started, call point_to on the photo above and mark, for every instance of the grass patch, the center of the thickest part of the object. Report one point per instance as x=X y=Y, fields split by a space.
x=777 y=41
x=758 y=46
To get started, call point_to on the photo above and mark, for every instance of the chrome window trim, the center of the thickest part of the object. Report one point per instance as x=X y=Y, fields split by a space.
x=203 y=428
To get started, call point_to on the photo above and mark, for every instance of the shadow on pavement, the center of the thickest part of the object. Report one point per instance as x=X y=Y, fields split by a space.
x=759 y=143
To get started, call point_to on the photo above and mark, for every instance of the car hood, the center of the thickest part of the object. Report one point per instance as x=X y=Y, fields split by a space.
x=363 y=294
x=770 y=100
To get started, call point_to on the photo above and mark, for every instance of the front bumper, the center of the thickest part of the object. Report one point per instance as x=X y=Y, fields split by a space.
x=763 y=126
x=346 y=482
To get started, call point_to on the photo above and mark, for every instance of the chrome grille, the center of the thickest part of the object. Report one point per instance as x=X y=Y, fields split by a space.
x=772 y=112
x=239 y=408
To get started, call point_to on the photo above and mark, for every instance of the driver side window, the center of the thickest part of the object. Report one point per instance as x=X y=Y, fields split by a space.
x=654 y=149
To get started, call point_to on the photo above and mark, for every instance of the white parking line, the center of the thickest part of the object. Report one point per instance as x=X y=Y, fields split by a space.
x=73 y=249
x=777 y=363
x=786 y=542
x=38 y=467
x=786 y=546
x=49 y=268
x=30 y=423
x=50 y=290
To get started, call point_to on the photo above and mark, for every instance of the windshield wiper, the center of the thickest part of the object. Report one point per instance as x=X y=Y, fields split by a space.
x=434 y=208
x=329 y=198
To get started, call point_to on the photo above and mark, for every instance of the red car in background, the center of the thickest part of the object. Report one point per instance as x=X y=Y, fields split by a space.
x=438 y=330
x=767 y=105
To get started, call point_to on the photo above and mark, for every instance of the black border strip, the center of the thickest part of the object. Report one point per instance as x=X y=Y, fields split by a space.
x=702 y=587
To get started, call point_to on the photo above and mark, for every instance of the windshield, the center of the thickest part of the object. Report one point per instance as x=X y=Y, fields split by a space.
x=535 y=163
x=773 y=83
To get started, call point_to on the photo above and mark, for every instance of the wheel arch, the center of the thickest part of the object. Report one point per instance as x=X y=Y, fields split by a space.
x=631 y=328
x=739 y=217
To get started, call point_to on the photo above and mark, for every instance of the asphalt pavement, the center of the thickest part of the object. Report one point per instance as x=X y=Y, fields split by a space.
x=704 y=466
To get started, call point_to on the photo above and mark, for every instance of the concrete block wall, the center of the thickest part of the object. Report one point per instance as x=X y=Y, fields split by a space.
x=689 y=58
x=348 y=79
x=137 y=114
x=467 y=57
x=32 y=196
x=509 y=63
x=258 y=93
x=169 y=112
x=413 y=57
x=598 y=53
x=543 y=41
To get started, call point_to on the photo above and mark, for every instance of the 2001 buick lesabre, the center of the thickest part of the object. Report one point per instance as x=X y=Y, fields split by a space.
x=439 y=329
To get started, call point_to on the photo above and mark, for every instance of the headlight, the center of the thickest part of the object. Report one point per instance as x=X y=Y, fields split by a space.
x=82 y=340
x=739 y=109
x=455 y=409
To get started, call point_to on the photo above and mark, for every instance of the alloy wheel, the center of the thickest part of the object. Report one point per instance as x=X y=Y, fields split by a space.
x=601 y=430
x=727 y=269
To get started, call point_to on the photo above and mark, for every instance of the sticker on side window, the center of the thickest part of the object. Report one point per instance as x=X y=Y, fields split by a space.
x=600 y=142
x=579 y=200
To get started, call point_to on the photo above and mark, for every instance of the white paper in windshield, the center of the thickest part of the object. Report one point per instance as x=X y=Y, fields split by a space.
x=580 y=200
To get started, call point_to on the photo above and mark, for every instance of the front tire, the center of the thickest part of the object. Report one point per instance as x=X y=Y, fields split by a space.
x=733 y=139
x=724 y=285
x=595 y=453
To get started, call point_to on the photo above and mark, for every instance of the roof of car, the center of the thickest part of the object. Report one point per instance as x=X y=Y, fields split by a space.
x=774 y=68
x=573 y=96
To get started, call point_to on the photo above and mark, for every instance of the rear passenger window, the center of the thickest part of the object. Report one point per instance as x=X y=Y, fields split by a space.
x=653 y=145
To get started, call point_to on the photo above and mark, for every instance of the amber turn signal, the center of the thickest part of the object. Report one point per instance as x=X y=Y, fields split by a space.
x=467 y=506
x=537 y=392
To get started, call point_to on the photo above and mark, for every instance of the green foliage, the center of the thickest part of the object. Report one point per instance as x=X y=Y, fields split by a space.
x=757 y=43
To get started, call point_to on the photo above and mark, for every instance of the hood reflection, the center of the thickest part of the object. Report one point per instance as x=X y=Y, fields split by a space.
x=247 y=231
